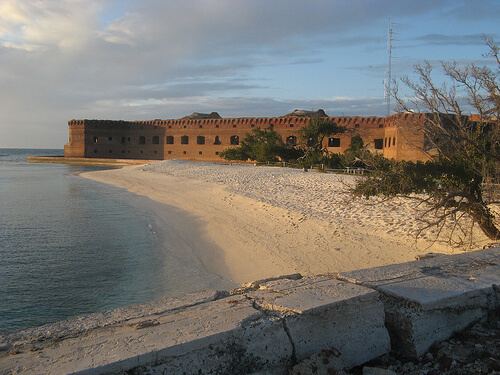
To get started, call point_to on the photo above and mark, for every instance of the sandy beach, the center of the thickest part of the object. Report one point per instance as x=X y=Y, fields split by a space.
x=270 y=221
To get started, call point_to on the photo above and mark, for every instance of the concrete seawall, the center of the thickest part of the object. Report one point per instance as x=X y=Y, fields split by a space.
x=86 y=161
x=267 y=326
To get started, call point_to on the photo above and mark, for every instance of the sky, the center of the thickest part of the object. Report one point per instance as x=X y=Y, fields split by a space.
x=163 y=59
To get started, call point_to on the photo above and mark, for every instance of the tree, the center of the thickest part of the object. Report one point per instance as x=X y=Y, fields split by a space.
x=313 y=134
x=234 y=153
x=261 y=146
x=355 y=155
x=357 y=144
x=316 y=130
x=464 y=150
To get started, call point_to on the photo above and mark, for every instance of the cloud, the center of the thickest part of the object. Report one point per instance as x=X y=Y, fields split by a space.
x=12 y=14
x=481 y=10
x=450 y=40
x=33 y=25
x=136 y=59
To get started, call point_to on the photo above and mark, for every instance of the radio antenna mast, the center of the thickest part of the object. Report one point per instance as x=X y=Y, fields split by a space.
x=388 y=73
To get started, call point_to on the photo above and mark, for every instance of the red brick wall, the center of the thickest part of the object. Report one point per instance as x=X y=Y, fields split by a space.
x=122 y=139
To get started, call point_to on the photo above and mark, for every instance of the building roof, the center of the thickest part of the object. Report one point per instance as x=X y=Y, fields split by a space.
x=304 y=113
x=202 y=116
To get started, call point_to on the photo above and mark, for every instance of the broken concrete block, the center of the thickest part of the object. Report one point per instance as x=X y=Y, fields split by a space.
x=321 y=313
x=213 y=337
x=74 y=326
x=429 y=300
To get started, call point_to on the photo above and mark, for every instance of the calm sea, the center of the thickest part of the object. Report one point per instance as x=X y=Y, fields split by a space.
x=70 y=246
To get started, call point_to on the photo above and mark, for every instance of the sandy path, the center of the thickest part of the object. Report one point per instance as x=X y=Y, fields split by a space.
x=274 y=221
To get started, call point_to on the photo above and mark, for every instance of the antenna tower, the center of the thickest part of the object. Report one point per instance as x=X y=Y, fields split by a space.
x=388 y=73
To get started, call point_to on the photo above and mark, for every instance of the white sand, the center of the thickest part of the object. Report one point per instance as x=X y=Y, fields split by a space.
x=272 y=221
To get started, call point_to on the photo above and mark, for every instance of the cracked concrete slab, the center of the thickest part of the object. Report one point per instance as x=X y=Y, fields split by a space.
x=310 y=295
x=184 y=341
x=74 y=326
x=428 y=300
x=323 y=313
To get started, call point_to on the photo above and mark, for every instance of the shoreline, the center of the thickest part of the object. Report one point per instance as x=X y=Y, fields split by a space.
x=274 y=221
x=178 y=237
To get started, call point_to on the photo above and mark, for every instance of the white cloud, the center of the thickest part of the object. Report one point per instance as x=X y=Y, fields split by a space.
x=37 y=24
x=120 y=32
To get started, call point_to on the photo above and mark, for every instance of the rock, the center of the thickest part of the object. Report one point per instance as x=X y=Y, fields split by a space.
x=326 y=362
x=494 y=364
x=445 y=362
x=377 y=371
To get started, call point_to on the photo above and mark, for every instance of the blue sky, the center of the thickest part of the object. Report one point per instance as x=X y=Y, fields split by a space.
x=147 y=59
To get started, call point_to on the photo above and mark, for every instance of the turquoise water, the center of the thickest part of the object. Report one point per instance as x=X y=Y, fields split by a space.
x=70 y=246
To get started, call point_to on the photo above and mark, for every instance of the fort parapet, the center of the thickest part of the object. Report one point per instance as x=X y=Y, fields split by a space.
x=202 y=137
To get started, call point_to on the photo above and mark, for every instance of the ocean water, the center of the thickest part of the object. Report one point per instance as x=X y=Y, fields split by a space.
x=70 y=246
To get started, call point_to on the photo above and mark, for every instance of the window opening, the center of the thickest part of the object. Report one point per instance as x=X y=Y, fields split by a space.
x=235 y=140
x=333 y=142
x=379 y=144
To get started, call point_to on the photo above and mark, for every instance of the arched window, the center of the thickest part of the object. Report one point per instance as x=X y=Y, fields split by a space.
x=291 y=140
x=184 y=140
x=200 y=140
x=217 y=140
x=234 y=140
x=156 y=140
x=170 y=140
x=142 y=140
